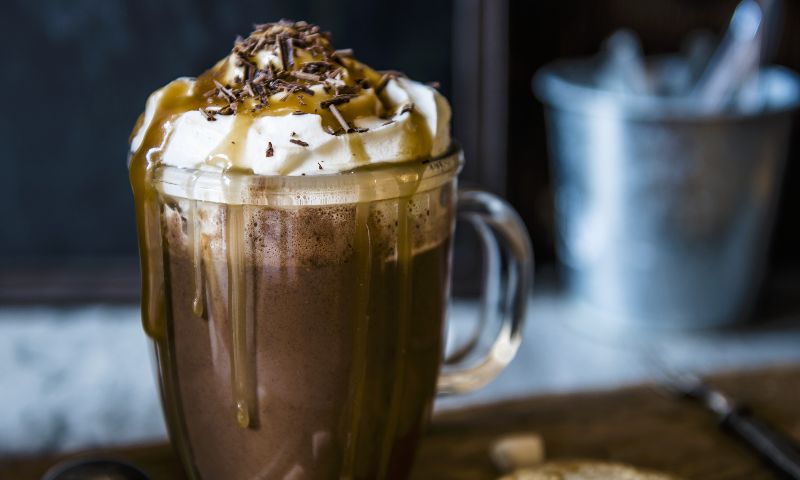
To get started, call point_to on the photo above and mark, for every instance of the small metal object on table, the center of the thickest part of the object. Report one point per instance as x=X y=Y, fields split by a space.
x=776 y=448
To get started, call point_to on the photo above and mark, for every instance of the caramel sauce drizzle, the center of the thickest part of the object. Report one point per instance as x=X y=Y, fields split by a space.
x=408 y=184
x=193 y=231
x=363 y=253
x=240 y=312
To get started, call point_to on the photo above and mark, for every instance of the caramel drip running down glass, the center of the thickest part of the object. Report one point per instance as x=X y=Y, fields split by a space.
x=298 y=321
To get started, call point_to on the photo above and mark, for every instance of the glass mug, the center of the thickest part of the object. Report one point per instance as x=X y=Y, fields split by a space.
x=298 y=321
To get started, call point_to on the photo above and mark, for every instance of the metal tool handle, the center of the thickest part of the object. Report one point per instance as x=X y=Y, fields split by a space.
x=773 y=445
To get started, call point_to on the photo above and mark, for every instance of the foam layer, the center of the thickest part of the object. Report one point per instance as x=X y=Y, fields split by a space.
x=311 y=235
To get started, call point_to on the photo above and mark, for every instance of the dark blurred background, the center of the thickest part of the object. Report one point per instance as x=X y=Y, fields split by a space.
x=76 y=75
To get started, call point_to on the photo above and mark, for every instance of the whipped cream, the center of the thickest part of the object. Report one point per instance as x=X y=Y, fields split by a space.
x=326 y=113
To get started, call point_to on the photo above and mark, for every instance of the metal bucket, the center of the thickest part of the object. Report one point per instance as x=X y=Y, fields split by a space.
x=664 y=214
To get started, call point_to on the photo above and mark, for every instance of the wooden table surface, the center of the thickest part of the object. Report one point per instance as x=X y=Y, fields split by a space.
x=635 y=425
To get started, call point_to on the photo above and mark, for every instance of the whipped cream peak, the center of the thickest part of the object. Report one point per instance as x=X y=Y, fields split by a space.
x=285 y=102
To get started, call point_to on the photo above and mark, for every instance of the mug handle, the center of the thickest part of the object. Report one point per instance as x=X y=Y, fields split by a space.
x=503 y=234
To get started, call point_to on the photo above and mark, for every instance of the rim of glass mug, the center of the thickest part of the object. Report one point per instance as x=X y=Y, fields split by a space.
x=373 y=182
x=566 y=85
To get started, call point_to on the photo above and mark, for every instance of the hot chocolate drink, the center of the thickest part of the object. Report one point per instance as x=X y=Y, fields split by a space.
x=295 y=213
x=312 y=345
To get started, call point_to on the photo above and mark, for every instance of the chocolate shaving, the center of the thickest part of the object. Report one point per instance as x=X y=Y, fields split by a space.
x=280 y=43
x=261 y=77
x=345 y=52
x=270 y=150
x=298 y=142
x=224 y=91
x=346 y=90
x=248 y=89
x=337 y=100
x=316 y=67
x=209 y=116
x=339 y=118
x=394 y=73
x=312 y=77
x=289 y=42
x=385 y=77
x=291 y=87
